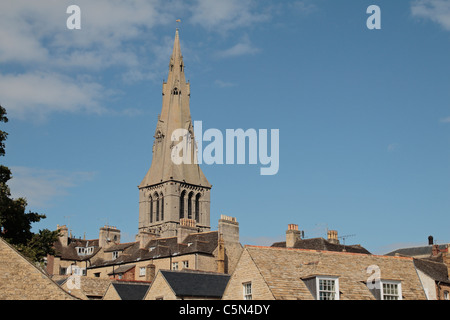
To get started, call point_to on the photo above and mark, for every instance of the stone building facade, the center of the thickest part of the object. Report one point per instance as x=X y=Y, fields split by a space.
x=21 y=280
x=301 y=274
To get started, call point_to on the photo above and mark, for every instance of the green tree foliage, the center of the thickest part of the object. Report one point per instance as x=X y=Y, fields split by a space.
x=15 y=223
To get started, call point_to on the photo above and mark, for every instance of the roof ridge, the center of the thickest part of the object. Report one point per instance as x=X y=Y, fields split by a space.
x=327 y=251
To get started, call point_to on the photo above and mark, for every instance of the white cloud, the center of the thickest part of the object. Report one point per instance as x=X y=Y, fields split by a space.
x=436 y=10
x=445 y=120
x=392 y=147
x=244 y=47
x=41 y=186
x=34 y=95
x=36 y=31
x=303 y=6
x=51 y=63
x=222 y=16
x=224 y=84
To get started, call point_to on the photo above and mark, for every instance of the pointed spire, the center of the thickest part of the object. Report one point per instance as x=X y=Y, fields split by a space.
x=175 y=114
x=176 y=53
x=176 y=65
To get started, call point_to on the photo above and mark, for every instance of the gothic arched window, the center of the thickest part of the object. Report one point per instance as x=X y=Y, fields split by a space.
x=183 y=194
x=197 y=207
x=150 y=200
x=157 y=207
x=190 y=205
x=162 y=206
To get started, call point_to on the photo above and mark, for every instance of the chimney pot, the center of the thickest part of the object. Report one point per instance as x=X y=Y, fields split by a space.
x=332 y=236
x=430 y=240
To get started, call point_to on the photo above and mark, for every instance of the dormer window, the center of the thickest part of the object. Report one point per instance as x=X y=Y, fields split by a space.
x=386 y=289
x=115 y=255
x=323 y=287
x=84 y=251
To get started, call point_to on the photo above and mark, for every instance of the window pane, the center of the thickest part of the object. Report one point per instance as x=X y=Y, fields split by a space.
x=327 y=289
x=390 y=291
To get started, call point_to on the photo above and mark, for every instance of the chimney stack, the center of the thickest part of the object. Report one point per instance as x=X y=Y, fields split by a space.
x=333 y=236
x=150 y=272
x=144 y=237
x=292 y=235
x=435 y=250
x=229 y=229
x=221 y=255
x=185 y=228
x=63 y=234
x=430 y=240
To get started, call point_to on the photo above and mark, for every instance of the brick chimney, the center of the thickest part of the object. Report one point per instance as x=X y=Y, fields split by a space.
x=332 y=236
x=292 y=235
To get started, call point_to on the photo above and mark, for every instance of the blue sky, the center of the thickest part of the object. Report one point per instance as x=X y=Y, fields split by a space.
x=363 y=115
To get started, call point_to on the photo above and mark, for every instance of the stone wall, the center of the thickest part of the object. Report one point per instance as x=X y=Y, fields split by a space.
x=21 y=280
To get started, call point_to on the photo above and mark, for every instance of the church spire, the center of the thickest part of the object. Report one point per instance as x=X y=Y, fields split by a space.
x=175 y=114
x=170 y=193
x=176 y=52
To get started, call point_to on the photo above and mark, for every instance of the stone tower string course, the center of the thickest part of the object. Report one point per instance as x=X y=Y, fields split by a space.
x=173 y=195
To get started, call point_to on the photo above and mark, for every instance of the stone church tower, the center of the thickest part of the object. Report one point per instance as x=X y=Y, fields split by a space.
x=173 y=198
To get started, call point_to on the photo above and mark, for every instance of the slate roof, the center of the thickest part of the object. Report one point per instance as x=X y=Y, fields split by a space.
x=119 y=247
x=122 y=269
x=204 y=242
x=70 y=252
x=196 y=283
x=285 y=270
x=415 y=251
x=131 y=290
x=436 y=270
x=323 y=245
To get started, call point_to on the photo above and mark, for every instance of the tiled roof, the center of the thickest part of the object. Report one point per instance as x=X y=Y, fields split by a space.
x=131 y=290
x=322 y=244
x=70 y=252
x=283 y=270
x=416 y=251
x=436 y=270
x=122 y=269
x=119 y=247
x=196 y=283
x=204 y=242
x=90 y=287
